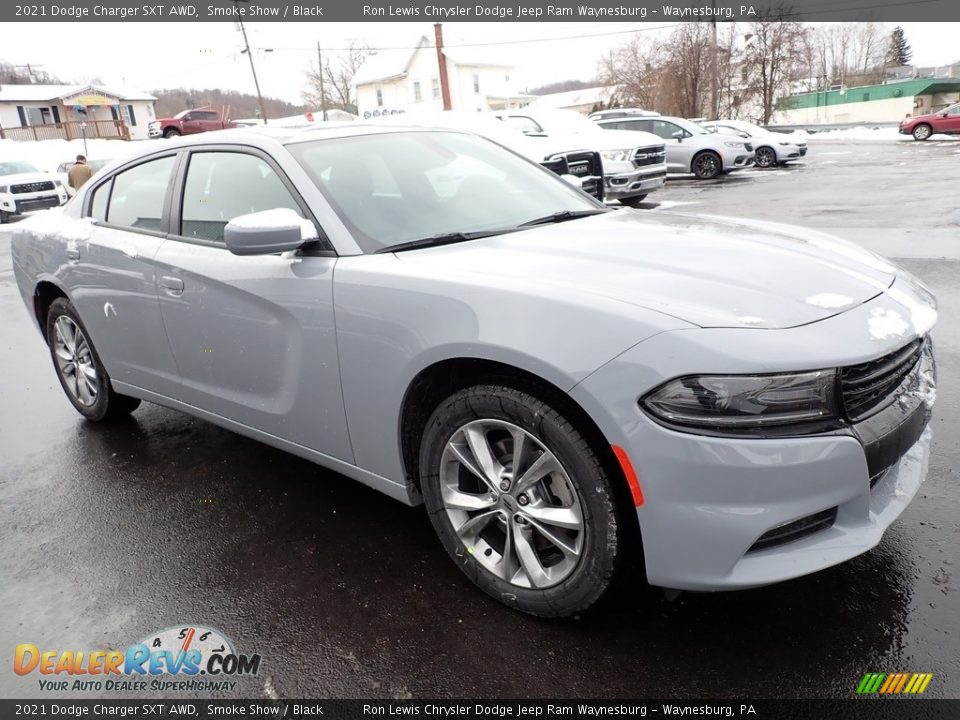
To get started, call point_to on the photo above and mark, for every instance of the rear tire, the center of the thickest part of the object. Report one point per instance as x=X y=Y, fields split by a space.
x=543 y=539
x=707 y=166
x=171 y=133
x=634 y=201
x=79 y=369
x=922 y=132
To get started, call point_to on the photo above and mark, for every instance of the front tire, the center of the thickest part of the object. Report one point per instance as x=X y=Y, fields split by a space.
x=4 y=217
x=922 y=132
x=766 y=157
x=520 y=501
x=171 y=133
x=79 y=369
x=707 y=166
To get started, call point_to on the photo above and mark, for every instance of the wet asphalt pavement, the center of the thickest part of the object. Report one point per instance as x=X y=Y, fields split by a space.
x=111 y=532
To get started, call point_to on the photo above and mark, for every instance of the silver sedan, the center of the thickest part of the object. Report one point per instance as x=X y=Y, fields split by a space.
x=561 y=384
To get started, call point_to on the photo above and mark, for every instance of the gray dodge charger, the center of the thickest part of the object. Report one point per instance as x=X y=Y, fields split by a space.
x=562 y=385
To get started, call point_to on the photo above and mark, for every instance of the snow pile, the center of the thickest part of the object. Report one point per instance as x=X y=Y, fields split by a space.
x=46 y=155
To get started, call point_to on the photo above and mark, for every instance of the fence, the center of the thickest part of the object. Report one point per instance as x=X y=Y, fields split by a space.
x=110 y=129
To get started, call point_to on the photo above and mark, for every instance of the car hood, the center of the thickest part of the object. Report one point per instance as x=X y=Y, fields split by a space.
x=608 y=139
x=709 y=271
x=20 y=178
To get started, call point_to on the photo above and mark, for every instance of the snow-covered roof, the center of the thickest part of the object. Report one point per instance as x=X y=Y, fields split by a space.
x=390 y=64
x=574 y=98
x=387 y=64
x=37 y=93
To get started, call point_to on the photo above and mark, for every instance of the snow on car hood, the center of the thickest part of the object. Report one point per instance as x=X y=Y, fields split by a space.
x=709 y=271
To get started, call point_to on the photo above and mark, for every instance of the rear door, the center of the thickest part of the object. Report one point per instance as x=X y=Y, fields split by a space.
x=113 y=273
x=951 y=123
x=253 y=337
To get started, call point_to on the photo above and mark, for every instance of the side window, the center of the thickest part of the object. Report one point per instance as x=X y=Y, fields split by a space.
x=523 y=123
x=223 y=185
x=138 y=193
x=98 y=205
x=664 y=129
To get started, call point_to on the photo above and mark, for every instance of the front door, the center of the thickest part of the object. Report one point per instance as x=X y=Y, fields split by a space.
x=253 y=337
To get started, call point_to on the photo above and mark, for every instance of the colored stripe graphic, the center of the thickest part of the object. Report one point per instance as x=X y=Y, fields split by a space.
x=894 y=683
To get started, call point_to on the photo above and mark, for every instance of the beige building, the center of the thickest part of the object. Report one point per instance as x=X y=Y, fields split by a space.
x=48 y=112
x=394 y=81
x=887 y=103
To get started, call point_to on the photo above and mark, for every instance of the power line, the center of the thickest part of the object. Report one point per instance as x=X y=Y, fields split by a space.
x=525 y=41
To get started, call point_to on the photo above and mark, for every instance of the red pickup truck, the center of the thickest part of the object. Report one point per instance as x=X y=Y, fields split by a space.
x=188 y=122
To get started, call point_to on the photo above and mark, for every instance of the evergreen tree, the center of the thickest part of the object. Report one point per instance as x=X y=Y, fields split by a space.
x=900 y=52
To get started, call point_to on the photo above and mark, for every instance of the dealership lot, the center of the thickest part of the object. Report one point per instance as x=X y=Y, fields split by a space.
x=112 y=532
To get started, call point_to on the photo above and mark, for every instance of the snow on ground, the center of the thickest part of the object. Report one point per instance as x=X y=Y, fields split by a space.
x=48 y=154
x=865 y=132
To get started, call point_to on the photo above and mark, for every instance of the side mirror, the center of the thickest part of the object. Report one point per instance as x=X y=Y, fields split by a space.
x=678 y=135
x=266 y=232
x=573 y=180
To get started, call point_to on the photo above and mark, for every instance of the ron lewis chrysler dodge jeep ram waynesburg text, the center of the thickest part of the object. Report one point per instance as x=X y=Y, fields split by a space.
x=558 y=382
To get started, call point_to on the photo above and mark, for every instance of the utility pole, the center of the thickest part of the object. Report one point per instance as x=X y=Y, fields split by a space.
x=256 y=83
x=442 y=63
x=323 y=93
x=715 y=80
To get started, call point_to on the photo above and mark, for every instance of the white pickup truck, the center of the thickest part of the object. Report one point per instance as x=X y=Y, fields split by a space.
x=634 y=163
x=24 y=188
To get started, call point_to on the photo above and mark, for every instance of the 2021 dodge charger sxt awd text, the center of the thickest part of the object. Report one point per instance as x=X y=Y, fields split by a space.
x=449 y=323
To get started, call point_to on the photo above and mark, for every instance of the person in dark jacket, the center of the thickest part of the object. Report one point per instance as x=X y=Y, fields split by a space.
x=79 y=173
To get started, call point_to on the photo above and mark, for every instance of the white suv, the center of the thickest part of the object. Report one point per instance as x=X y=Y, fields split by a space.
x=634 y=163
x=24 y=188
x=690 y=148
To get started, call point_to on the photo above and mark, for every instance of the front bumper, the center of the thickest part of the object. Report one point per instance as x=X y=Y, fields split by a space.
x=739 y=160
x=639 y=182
x=709 y=500
x=25 y=202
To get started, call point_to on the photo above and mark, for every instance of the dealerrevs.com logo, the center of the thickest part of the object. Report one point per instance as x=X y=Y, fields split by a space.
x=188 y=659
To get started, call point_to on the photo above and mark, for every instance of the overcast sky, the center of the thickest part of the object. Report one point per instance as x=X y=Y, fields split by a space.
x=145 y=56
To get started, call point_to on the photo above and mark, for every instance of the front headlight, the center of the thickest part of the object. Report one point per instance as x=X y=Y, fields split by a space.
x=57 y=183
x=616 y=155
x=741 y=403
x=784 y=143
x=3 y=188
x=734 y=144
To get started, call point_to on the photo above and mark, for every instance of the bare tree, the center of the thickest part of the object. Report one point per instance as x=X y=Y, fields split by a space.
x=337 y=85
x=634 y=69
x=773 y=53
x=687 y=71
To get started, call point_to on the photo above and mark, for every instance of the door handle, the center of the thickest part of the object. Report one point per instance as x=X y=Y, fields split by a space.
x=73 y=254
x=173 y=285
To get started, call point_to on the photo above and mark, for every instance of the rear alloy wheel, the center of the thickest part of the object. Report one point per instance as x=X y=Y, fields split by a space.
x=766 y=157
x=633 y=201
x=922 y=132
x=707 y=166
x=520 y=501
x=79 y=369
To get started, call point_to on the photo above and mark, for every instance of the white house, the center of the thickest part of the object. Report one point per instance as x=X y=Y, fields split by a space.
x=47 y=112
x=583 y=101
x=392 y=81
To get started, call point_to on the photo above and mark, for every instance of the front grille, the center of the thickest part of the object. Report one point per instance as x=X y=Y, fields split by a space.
x=32 y=187
x=791 y=531
x=649 y=156
x=748 y=146
x=586 y=165
x=869 y=387
x=556 y=165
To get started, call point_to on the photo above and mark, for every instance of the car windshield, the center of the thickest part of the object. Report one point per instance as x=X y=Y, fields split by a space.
x=690 y=127
x=180 y=115
x=394 y=188
x=12 y=167
x=746 y=127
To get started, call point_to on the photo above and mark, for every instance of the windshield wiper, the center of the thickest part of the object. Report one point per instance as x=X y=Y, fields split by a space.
x=441 y=239
x=562 y=216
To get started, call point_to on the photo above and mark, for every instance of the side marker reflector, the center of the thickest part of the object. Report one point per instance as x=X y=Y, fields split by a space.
x=630 y=474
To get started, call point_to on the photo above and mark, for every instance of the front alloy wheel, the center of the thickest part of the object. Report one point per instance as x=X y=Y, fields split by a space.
x=766 y=157
x=520 y=500
x=922 y=132
x=511 y=503
x=707 y=166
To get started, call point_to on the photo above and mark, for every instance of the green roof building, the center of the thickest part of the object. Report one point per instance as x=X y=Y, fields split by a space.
x=887 y=103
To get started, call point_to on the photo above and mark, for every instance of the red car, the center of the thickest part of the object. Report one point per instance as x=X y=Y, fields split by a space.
x=946 y=122
x=189 y=122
